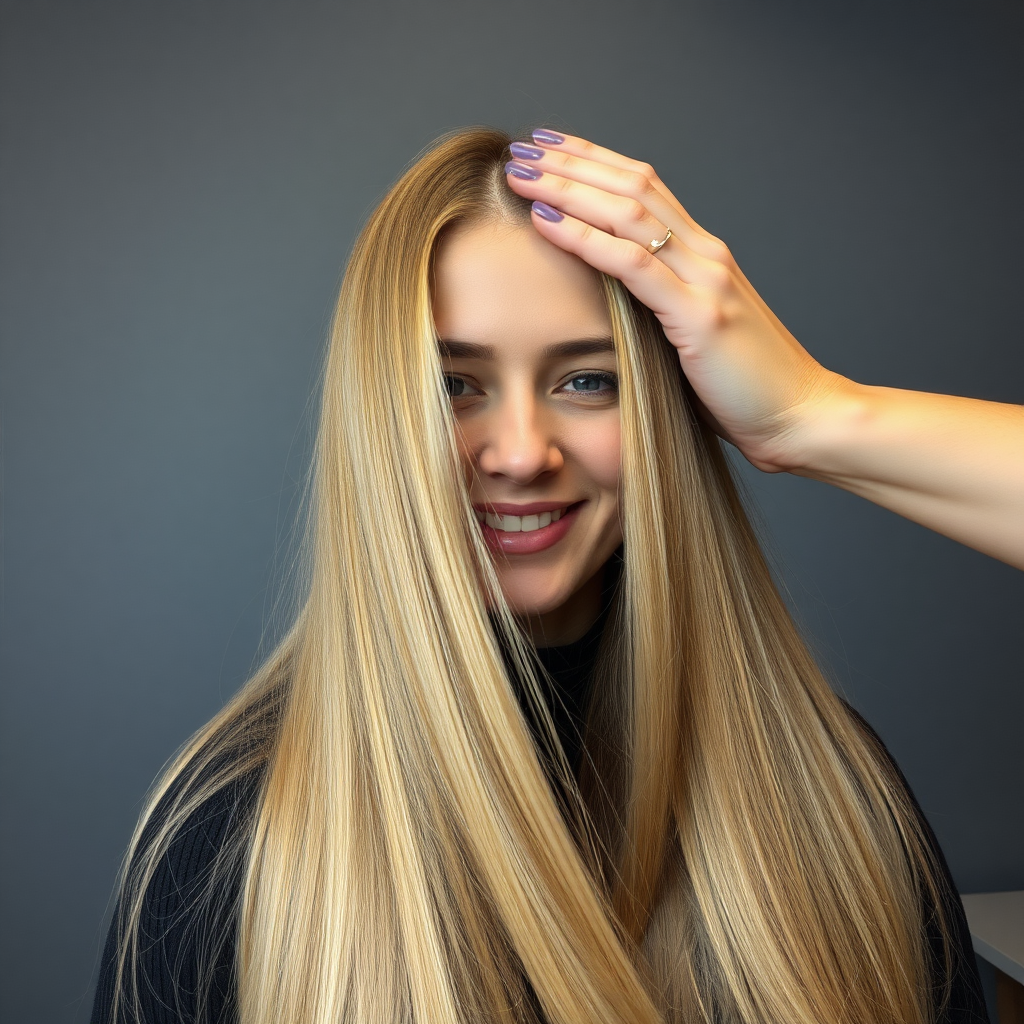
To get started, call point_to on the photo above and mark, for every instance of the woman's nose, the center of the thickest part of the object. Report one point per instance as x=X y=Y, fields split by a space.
x=519 y=443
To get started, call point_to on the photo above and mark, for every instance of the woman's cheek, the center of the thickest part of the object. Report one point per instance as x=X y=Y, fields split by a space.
x=601 y=453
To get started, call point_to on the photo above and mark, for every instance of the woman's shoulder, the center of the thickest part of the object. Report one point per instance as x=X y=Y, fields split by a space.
x=205 y=831
x=180 y=902
x=193 y=831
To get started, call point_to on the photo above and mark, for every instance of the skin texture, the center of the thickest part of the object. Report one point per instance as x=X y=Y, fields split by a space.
x=955 y=465
x=533 y=427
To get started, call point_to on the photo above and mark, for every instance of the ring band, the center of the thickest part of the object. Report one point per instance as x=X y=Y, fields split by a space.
x=656 y=245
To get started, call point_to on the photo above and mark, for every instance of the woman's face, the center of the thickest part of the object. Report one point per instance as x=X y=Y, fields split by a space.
x=526 y=348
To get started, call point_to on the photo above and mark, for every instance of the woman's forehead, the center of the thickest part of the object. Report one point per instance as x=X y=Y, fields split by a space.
x=493 y=280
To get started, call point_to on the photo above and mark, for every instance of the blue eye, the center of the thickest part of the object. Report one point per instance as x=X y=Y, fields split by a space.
x=590 y=384
x=597 y=383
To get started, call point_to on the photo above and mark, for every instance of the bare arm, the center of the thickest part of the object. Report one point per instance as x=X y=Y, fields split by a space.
x=955 y=465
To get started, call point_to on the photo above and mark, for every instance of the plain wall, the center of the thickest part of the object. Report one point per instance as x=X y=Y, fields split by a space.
x=181 y=184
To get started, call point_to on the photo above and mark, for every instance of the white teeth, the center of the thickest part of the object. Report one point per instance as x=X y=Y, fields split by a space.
x=509 y=524
x=520 y=524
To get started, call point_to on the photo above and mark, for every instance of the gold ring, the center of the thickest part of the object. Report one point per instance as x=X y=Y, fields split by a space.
x=656 y=245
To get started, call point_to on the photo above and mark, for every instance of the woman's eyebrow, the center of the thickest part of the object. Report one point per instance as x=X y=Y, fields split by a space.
x=581 y=347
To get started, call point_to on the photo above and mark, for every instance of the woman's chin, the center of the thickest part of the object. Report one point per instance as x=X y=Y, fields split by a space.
x=529 y=605
x=533 y=602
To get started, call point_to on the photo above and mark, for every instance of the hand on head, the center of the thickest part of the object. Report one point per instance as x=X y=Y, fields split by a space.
x=755 y=380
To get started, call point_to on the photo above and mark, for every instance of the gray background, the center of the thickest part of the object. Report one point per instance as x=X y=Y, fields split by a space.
x=181 y=185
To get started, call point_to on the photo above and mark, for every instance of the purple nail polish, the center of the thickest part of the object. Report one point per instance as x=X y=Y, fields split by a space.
x=547 y=212
x=543 y=135
x=518 y=170
x=525 y=152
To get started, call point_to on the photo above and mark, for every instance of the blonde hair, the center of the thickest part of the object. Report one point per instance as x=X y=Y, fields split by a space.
x=737 y=847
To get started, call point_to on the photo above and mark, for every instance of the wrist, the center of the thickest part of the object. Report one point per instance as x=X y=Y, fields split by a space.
x=821 y=429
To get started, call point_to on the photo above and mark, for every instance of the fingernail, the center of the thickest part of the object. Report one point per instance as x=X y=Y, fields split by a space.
x=547 y=212
x=518 y=170
x=543 y=135
x=525 y=152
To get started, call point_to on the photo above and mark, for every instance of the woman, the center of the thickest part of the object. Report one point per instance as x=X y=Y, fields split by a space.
x=401 y=818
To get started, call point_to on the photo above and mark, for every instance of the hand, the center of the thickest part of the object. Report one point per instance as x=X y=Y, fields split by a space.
x=755 y=380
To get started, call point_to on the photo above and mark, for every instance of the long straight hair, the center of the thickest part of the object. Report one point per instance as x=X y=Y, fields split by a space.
x=737 y=848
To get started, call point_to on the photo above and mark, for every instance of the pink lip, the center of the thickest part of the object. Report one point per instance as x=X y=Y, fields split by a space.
x=536 y=540
x=534 y=508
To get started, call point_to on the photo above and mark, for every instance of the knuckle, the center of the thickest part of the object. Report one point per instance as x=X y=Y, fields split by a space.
x=638 y=258
x=638 y=184
x=713 y=314
x=718 y=277
x=719 y=251
x=644 y=170
x=634 y=211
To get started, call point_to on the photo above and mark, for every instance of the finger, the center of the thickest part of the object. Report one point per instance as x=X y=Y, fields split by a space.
x=677 y=304
x=635 y=175
x=618 y=215
x=577 y=146
x=622 y=182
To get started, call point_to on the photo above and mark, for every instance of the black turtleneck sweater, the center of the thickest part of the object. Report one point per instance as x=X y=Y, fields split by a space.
x=177 y=925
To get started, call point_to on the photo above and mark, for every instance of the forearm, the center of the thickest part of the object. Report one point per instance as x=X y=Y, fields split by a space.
x=955 y=465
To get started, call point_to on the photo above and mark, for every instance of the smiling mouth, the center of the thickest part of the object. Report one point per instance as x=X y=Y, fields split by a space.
x=523 y=524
